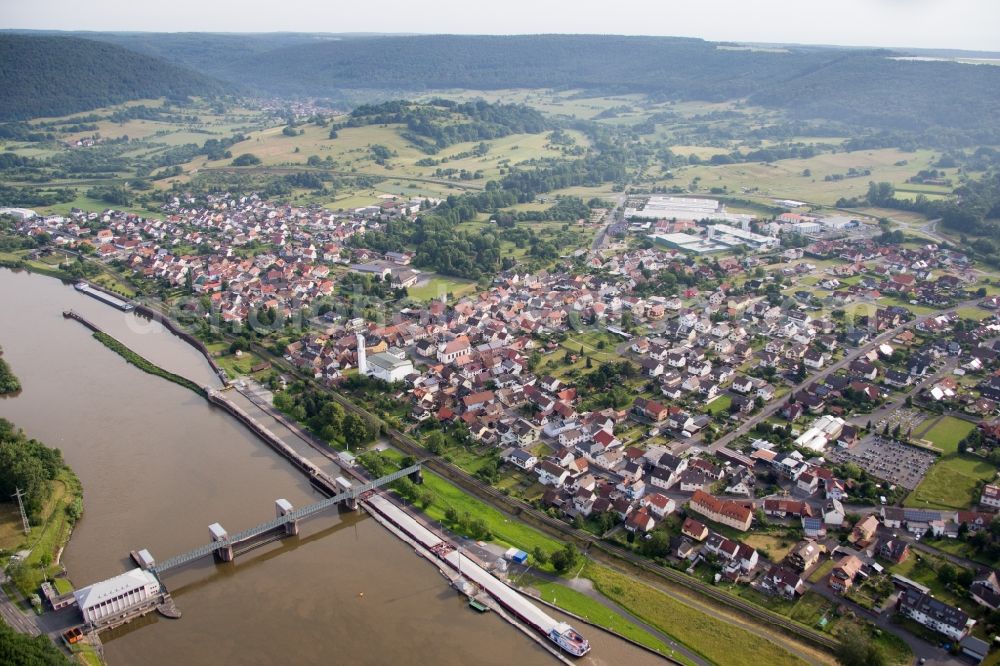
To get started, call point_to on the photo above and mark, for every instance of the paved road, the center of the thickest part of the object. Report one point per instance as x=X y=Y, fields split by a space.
x=12 y=615
x=585 y=587
x=929 y=548
x=611 y=217
x=921 y=649
x=775 y=405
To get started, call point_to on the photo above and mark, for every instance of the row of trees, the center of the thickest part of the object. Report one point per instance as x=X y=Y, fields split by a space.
x=28 y=465
x=16 y=648
x=326 y=418
x=975 y=206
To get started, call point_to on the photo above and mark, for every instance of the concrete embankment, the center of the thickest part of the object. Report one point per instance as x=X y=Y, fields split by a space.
x=169 y=324
x=317 y=477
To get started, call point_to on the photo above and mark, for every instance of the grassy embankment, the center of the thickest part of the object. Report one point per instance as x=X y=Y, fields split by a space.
x=689 y=626
x=144 y=364
x=593 y=611
x=47 y=538
x=714 y=639
x=20 y=260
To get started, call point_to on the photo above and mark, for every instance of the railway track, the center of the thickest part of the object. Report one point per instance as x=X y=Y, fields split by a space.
x=559 y=529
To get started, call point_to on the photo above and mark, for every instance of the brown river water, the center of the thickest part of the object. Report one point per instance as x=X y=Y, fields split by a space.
x=159 y=464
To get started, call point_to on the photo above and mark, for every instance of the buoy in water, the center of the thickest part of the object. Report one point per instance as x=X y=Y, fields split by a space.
x=361 y=594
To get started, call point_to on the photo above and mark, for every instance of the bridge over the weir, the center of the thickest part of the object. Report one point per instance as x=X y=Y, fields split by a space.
x=225 y=546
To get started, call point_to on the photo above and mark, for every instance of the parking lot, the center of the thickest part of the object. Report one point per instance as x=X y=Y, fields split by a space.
x=886 y=459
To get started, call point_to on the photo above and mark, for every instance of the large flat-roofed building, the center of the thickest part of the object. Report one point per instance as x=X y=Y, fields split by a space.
x=117 y=595
x=724 y=233
x=391 y=366
x=19 y=213
x=688 y=243
x=685 y=208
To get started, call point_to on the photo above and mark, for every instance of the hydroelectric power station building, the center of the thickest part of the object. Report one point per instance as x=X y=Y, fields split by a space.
x=116 y=596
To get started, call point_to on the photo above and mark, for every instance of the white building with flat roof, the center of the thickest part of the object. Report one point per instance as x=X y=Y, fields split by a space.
x=117 y=595
x=389 y=367
x=19 y=213
x=685 y=208
x=687 y=243
x=724 y=233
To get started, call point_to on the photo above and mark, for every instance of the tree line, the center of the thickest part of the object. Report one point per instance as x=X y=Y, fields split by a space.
x=28 y=465
x=441 y=123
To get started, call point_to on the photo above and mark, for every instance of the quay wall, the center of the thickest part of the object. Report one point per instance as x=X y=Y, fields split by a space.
x=317 y=476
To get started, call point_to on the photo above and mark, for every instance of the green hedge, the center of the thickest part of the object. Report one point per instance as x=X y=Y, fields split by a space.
x=144 y=364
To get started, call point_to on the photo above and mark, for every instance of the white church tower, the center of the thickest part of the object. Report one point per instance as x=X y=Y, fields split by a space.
x=362 y=358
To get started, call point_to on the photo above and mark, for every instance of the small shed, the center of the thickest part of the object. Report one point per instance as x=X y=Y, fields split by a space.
x=516 y=556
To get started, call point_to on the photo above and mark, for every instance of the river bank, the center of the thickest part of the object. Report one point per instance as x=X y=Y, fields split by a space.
x=35 y=557
x=693 y=638
x=160 y=464
x=611 y=625
x=9 y=383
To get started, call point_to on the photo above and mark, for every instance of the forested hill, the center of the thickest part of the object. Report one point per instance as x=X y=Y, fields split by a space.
x=851 y=85
x=689 y=67
x=54 y=76
x=44 y=74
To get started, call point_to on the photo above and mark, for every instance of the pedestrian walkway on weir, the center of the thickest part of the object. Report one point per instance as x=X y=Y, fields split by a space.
x=226 y=542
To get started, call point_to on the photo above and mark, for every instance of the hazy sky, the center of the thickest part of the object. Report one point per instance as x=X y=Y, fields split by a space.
x=960 y=24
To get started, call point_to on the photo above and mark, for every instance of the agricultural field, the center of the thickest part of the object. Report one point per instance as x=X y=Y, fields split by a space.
x=566 y=103
x=784 y=178
x=352 y=153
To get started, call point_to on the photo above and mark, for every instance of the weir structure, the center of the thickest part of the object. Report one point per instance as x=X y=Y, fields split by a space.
x=226 y=547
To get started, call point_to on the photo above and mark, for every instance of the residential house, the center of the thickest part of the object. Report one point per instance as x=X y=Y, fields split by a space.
x=523 y=459
x=648 y=409
x=783 y=508
x=640 y=521
x=985 y=590
x=990 y=496
x=694 y=529
x=785 y=582
x=843 y=574
x=864 y=531
x=893 y=550
x=550 y=474
x=659 y=505
x=934 y=614
x=805 y=555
